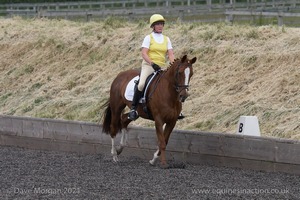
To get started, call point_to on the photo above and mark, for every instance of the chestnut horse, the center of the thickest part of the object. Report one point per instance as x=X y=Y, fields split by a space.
x=165 y=95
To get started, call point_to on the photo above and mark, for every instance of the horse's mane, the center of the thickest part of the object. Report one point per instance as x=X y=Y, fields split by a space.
x=172 y=63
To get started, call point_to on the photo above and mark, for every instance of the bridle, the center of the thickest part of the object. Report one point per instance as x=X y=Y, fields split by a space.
x=179 y=87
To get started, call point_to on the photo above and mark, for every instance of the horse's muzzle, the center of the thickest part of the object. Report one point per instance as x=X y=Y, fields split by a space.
x=183 y=95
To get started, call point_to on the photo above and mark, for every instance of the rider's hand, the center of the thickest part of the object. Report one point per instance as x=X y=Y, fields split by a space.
x=155 y=67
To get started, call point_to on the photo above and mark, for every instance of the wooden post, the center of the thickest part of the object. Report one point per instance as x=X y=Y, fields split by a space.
x=181 y=14
x=208 y=2
x=294 y=4
x=88 y=17
x=229 y=19
x=232 y=3
x=253 y=17
x=280 y=20
x=167 y=5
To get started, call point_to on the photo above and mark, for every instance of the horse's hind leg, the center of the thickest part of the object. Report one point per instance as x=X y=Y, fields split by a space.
x=125 y=121
x=122 y=142
x=114 y=150
x=115 y=126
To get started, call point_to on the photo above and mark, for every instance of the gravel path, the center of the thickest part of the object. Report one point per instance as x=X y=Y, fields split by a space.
x=32 y=174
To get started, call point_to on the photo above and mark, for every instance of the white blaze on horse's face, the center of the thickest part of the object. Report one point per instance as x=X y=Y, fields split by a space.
x=187 y=72
x=184 y=93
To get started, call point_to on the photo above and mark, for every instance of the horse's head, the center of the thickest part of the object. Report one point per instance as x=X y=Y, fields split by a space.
x=183 y=74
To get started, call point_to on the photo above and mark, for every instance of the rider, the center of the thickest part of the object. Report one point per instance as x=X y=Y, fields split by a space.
x=155 y=48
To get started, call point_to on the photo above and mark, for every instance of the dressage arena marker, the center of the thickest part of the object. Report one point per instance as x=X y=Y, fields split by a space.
x=248 y=125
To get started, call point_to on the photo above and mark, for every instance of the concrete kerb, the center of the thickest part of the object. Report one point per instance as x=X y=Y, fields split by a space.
x=231 y=150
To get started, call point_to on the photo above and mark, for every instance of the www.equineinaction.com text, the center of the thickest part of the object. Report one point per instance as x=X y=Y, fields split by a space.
x=240 y=191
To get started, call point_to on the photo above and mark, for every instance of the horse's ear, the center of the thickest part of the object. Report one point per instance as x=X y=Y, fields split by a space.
x=193 y=60
x=183 y=58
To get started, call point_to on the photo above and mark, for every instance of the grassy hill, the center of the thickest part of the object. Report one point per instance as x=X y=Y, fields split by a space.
x=63 y=69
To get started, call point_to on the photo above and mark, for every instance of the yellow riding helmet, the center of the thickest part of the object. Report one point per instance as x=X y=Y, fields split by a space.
x=155 y=18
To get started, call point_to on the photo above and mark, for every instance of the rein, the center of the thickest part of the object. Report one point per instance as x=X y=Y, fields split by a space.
x=156 y=83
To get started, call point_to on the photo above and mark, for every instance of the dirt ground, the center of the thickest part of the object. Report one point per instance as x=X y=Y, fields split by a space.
x=63 y=69
x=33 y=174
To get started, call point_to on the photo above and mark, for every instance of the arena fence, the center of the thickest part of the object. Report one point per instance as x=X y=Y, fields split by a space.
x=220 y=149
x=187 y=10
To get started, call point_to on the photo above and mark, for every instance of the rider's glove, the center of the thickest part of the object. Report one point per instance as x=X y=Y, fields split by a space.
x=155 y=67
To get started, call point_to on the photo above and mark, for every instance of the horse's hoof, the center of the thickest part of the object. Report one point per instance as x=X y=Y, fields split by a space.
x=115 y=159
x=152 y=162
x=119 y=150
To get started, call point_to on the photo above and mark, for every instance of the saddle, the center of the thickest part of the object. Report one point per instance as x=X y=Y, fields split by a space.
x=132 y=86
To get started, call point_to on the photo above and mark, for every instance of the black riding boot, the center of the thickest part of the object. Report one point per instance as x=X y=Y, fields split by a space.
x=133 y=115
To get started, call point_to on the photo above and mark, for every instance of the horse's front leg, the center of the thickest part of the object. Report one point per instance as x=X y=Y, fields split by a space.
x=168 y=130
x=155 y=157
x=161 y=143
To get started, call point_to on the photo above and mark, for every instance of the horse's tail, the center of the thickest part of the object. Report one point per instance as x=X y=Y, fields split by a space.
x=107 y=118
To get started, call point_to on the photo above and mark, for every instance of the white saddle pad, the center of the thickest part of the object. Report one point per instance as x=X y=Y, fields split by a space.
x=129 y=92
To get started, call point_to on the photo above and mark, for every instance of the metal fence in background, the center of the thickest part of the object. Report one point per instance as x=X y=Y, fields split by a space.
x=189 y=10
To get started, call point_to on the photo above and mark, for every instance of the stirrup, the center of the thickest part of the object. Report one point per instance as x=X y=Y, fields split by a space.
x=133 y=115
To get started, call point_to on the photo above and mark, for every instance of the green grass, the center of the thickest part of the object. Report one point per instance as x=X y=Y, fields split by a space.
x=36 y=86
x=205 y=125
x=5 y=96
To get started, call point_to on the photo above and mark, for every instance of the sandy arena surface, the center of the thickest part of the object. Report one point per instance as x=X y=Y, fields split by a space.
x=33 y=174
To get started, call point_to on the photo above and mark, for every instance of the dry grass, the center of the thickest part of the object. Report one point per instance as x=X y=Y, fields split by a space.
x=63 y=69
